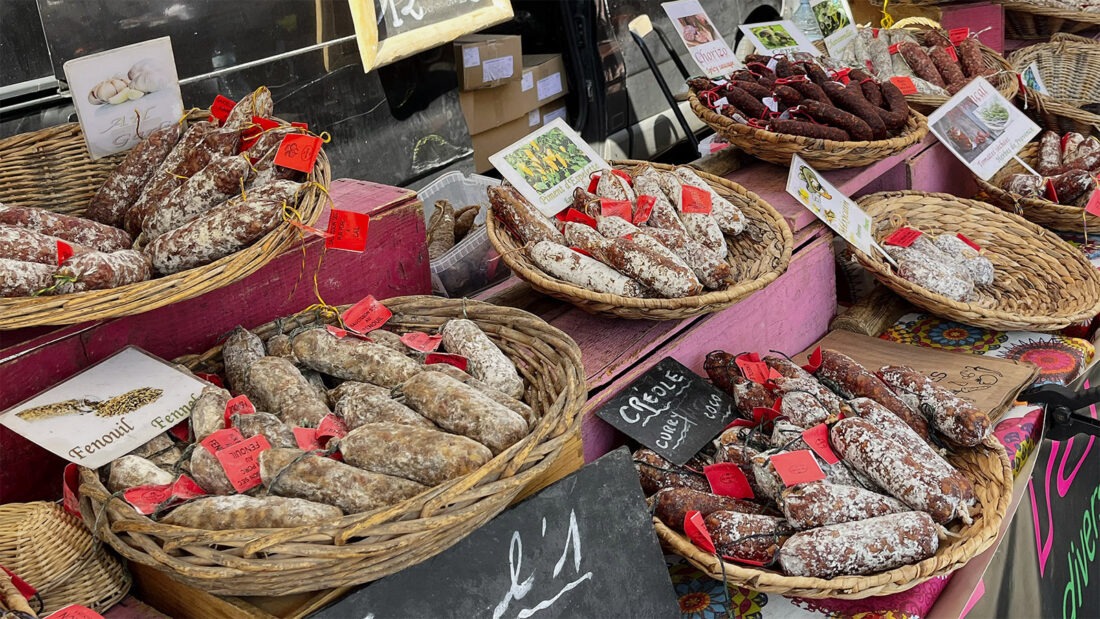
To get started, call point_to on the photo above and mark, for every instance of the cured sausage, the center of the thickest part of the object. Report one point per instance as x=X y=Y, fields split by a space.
x=214 y=184
x=979 y=267
x=133 y=471
x=351 y=358
x=461 y=409
x=580 y=270
x=239 y=511
x=302 y=475
x=441 y=229
x=853 y=125
x=22 y=279
x=748 y=537
x=125 y=183
x=960 y=421
x=818 y=392
x=1050 y=155
x=818 y=504
x=896 y=113
x=507 y=401
x=486 y=362
x=655 y=473
x=869 y=86
x=526 y=222
x=29 y=246
x=257 y=103
x=647 y=182
x=671 y=505
x=646 y=267
x=851 y=380
x=241 y=349
x=862 y=547
x=208 y=412
x=808 y=130
x=712 y=270
x=728 y=216
x=99 y=271
x=277 y=433
x=950 y=70
x=423 y=455
x=921 y=64
x=75 y=230
x=186 y=154
x=970 y=57
x=701 y=226
x=280 y=389
x=614 y=187
x=850 y=98
x=362 y=403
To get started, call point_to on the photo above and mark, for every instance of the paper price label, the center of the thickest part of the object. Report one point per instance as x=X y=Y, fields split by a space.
x=331 y=426
x=696 y=531
x=337 y=331
x=458 y=361
x=64 y=252
x=147 y=499
x=695 y=200
x=727 y=479
x=817 y=438
x=1093 y=206
x=616 y=208
x=74 y=611
x=242 y=462
x=797 y=467
x=306 y=438
x=903 y=237
x=213 y=379
x=421 y=342
x=958 y=35
x=23 y=587
x=814 y=362
x=752 y=367
x=962 y=237
x=239 y=405
x=222 y=439
x=347 y=231
x=954 y=55
x=220 y=108
x=644 y=210
x=573 y=215
x=904 y=84
x=70 y=487
x=298 y=151
x=366 y=315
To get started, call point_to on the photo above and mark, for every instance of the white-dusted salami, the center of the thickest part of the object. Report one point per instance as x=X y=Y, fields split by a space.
x=664 y=277
x=525 y=221
x=861 y=547
x=240 y=511
x=214 y=184
x=487 y=363
x=99 y=271
x=208 y=412
x=241 y=349
x=728 y=216
x=424 y=455
x=351 y=358
x=133 y=471
x=701 y=226
x=363 y=403
x=208 y=472
x=664 y=216
x=957 y=419
x=750 y=537
x=280 y=389
x=277 y=433
x=516 y=406
x=313 y=477
x=711 y=269
x=30 y=246
x=22 y=279
x=817 y=504
x=614 y=187
x=461 y=409
x=575 y=268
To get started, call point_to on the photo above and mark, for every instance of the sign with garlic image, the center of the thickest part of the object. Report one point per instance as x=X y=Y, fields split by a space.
x=123 y=94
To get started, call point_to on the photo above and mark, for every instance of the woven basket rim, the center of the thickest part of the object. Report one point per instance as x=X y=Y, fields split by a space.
x=1048 y=104
x=647 y=308
x=1065 y=217
x=977 y=538
x=467 y=501
x=140 y=297
x=1048 y=11
x=969 y=313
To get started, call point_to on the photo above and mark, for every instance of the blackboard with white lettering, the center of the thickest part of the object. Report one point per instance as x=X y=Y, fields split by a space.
x=583 y=547
x=671 y=410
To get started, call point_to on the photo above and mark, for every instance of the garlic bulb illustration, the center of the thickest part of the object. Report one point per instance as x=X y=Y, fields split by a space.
x=109 y=91
x=146 y=76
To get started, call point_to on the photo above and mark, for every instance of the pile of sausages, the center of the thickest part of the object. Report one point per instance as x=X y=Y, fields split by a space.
x=404 y=425
x=801 y=98
x=884 y=498
x=1069 y=166
x=945 y=264
x=449 y=226
x=186 y=195
x=641 y=234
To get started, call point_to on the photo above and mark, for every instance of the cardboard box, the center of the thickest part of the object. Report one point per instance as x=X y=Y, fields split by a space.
x=487 y=60
x=542 y=81
x=490 y=142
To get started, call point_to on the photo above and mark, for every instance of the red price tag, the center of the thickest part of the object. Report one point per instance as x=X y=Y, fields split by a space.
x=573 y=215
x=220 y=108
x=74 y=611
x=894 y=48
x=904 y=84
x=753 y=368
x=582 y=252
x=951 y=52
x=64 y=252
x=421 y=342
x=644 y=210
x=337 y=331
x=347 y=230
x=70 y=489
x=814 y=362
x=182 y=430
x=222 y=439
x=593 y=182
x=307 y=438
x=817 y=438
x=458 y=361
x=958 y=35
x=331 y=426
x=302 y=126
x=213 y=379
x=146 y=499
x=962 y=237
x=23 y=587
x=624 y=176
x=239 y=405
x=842 y=75
x=251 y=135
x=298 y=151
x=616 y=208
x=797 y=467
x=1052 y=193
x=265 y=124
x=366 y=315
x=727 y=479
x=1093 y=206
x=695 y=200
x=764 y=416
x=696 y=531
x=874 y=33
x=242 y=462
x=903 y=237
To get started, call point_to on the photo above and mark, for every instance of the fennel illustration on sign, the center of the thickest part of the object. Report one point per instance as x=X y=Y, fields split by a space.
x=834 y=18
x=830 y=205
x=705 y=44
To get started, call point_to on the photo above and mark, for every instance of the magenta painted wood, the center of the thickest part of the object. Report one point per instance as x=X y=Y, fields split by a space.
x=937 y=170
x=789 y=315
x=769 y=181
x=394 y=264
x=983 y=17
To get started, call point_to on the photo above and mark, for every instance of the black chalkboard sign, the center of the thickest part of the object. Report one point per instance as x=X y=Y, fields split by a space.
x=671 y=410
x=583 y=547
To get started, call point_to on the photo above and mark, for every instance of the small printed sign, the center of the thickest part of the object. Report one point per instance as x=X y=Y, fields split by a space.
x=705 y=44
x=834 y=18
x=1031 y=78
x=832 y=207
x=982 y=128
x=547 y=164
x=779 y=37
x=108 y=410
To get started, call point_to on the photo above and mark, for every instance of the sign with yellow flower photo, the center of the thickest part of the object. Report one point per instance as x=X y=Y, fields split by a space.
x=548 y=164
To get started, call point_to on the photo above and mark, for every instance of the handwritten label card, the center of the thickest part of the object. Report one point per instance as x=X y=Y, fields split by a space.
x=558 y=554
x=671 y=410
x=703 y=40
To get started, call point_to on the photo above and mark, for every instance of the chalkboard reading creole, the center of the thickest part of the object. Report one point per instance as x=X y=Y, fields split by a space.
x=671 y=410
x=557 y=554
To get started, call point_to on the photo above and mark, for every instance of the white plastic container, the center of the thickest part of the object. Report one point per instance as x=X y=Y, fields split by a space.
x=472 y=264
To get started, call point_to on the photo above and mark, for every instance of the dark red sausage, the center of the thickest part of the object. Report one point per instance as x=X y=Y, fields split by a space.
x=835 y=117
x=850 y=99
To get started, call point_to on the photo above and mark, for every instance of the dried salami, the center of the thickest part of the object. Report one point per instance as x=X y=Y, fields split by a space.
x=187 y=153
x=461 y=409
x=280 y=389
x=747 y=537
x=208 y=412
x=701 y=226
x=957 y=419
x=362 y=403
x=575 y=268
x=655 y=473
x=862 y=547
x=240 y=511
x=647 y=183
x=516 y=406
x=818 y=504
x=221 y=179
x=277 y=433
x=728 y=216
x=351 y=358
x=526 y=222
x=133 y=471
x=302 y=475
x=614 y=187
x=423 y=455
x=125 y=183
x=646 y=267
x=75 y=230
x=22 y=279
x=241 y=349
x=27 y=245
x=852 y=380
x=712 y=270
x=671 y=505
x=99 y=271
x=257 y=103
x=486 y=362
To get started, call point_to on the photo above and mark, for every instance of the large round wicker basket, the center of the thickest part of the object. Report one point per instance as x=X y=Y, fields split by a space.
x=1042 y=283
x=757 y=256
x=1031 y=20
x=51 y=169
x=1041 y=211
x=365 y=547
x=987 y=468
x=779 y=148
x=1071 y=73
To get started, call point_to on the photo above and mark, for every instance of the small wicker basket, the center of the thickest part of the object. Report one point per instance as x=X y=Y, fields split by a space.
x=51 y=169
x=778 y=148
x=53 y=552
x=987 y=468
x=758 y=256
x=1071 y=73
x=1004 y=80
x=1042 y=282
x=1029 y=20
x=365 y=547
x=1041 y=211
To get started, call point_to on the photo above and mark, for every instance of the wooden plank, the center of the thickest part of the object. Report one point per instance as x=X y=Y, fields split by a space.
x=790 y=314
x=175 y=599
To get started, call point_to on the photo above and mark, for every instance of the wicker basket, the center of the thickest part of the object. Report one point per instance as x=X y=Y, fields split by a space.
x=1042 y=282
x=758 y=256
x=51 y=169
x=988 y=470
x=1071 y=73
x=368 y=546
x=778 y=148
x=1036 y=210
x=1004 y=80
x=54 y=553
x=1027 y=20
